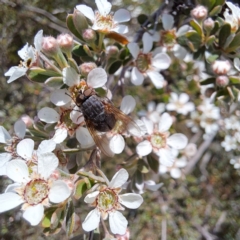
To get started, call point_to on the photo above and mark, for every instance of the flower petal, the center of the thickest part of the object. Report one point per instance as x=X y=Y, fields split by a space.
x=118 y=223
x=104 y=7
x=4 y=158
x=70 y=76
x=60 y=135
x=134 y=49
x=117 y=143
x=121 y=15
x=121 y=29
x=76 y=116
x=91 y=197
x=34 y=214
x=149 y=125
x=131 y=200
x=12 y=187
x=97 y=78
x=46 y=146
x=4 y=135
x=175 y=173
x=86 y=11
x=128 y=104
x=25 y=148
x=38 y=40
x=156 y=78
x=166 y=157
x=17 y=170
x=167 y=21
x=59 y=192
x=177 y=141
x=84 y=137
x=147 y=42
x=119 y=178
x=48 y=115
x=9 y=201
x=165 y=122
x=20 y=128
x=136 y=77
x=144 y=148
x=91 y=221
x=60 y=97
x=47 y=163
x=161 y=61
x=15 y=73
x=151 y=185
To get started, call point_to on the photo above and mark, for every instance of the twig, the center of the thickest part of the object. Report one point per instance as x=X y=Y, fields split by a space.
x=164 y=229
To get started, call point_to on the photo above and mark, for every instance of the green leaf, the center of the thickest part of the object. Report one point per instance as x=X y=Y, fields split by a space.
x=212 y=58
x=123 y=53
x=235 y=43
x=195 y=40
x=219 y=2
x=70 y=219
x=215 y=11
x=215 y=28
x=142 y=166
x=224 y=33
x=79 y=51
x=153 y=163
x=208 y=81
x=142 y=18
x=114 y=67
x=71 y=26
x=81 y=188
x=73 y=64
x=234 y=79
x=196 y=26
x=41 y=75
x=210 y=40
x=55 y=82
x=80 y=21
x=46 y=222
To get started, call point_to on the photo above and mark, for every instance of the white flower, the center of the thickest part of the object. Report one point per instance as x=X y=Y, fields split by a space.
x=234 y=18
x=235 y=161
x=229 y=143
x=221 y=67
x=232 y=123
x=149 y=185
x=29 y=56
x=159 y=141
x=146 y=65
x=169 y=35
x=33 y=188
x=10 y=142
x=103 y=20
x=180 y=104
x=108 y=201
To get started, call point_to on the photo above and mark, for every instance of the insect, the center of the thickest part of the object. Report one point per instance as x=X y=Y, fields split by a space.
x=101 y=116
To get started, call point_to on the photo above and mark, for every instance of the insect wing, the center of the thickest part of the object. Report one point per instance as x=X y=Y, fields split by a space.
x=101 y=140
x=128 y=124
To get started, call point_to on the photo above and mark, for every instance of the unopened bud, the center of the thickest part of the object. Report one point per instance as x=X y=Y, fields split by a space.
x=89 y=35
x=199 y=13
x=65 y=42
x=221 y=67
x=222 y=81
x=50 y=46
x=79 y=21
x=208 y=24
x=85 y=68
x=112 y=50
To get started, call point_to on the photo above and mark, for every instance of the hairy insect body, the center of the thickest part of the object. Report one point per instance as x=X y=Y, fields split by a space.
x=94 y=111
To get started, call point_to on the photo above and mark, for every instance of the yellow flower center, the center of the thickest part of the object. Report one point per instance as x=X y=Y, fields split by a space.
x=107 y=200
x=104 y=23
x=168 y=38
x=36 y=191
x=143 y=62
x=158 y=140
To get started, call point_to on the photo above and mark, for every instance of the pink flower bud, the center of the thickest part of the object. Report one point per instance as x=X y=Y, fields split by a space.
x=112 y=50
x=222 y=81
x=221 y=67
x=65 y=42
x=199 y=13
x=89 y=35
x=85 y=68
x=50 y=46
x=208 y=24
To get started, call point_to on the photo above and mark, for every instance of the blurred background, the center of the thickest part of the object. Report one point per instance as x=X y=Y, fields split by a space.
x=203 y=205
